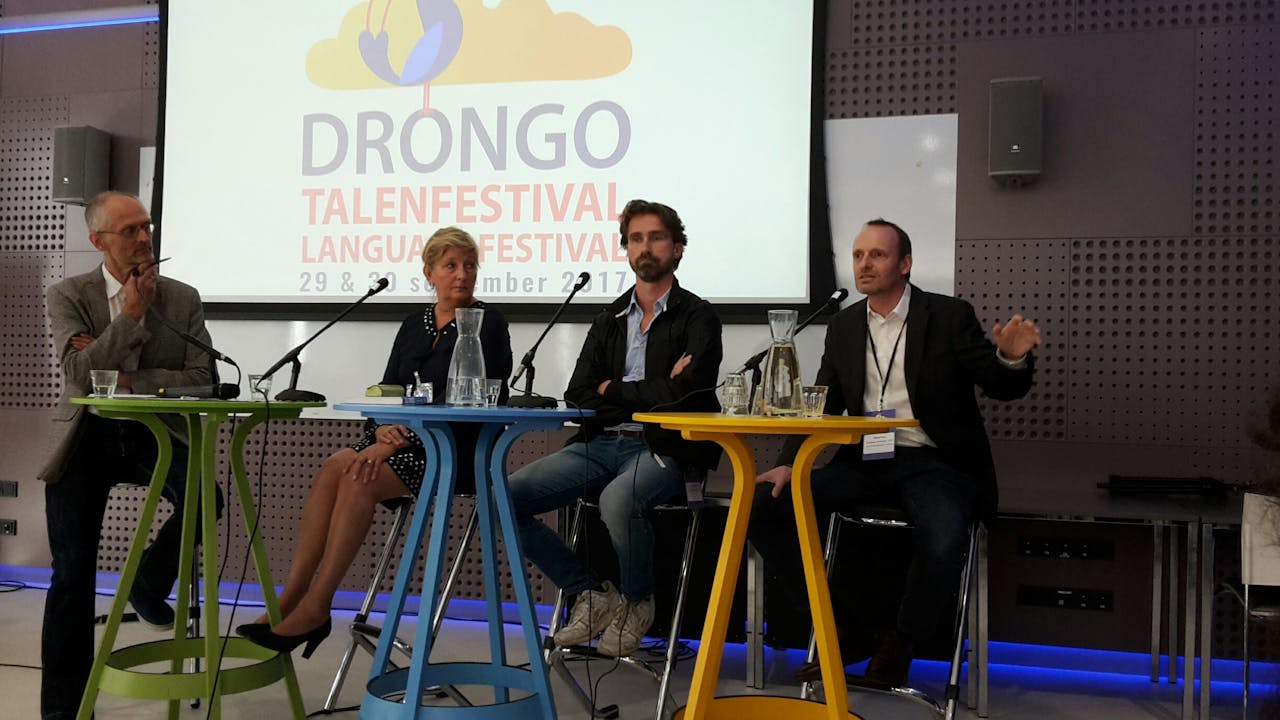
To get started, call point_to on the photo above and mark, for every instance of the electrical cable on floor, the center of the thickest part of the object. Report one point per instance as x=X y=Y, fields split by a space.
x=8 y=586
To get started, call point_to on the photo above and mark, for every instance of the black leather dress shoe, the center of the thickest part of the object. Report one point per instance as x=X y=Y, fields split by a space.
x=890 y=665
x=152 y=608
x=855 y=646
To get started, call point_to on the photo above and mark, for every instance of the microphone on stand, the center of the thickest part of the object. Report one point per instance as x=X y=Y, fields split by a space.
x=753 y=363
x=222 y=391
x=292 y=393
x=527 y=398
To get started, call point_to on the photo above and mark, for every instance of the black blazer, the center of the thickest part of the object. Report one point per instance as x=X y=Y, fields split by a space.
x=946 y=354
x=688 y=325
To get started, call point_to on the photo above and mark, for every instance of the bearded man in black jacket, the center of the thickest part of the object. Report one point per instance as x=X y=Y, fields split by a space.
x=655 y=347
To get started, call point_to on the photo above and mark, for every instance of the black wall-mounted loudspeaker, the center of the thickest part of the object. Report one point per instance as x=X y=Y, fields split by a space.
x=81 y=163
x=1016 y=140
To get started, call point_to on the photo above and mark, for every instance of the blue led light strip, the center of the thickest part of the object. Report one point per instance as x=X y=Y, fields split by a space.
x=79 y=19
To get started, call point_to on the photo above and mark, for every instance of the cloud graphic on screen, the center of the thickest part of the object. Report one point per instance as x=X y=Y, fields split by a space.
x=536 y=44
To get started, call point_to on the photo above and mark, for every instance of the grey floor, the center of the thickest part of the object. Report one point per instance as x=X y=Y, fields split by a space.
x=1015 y=692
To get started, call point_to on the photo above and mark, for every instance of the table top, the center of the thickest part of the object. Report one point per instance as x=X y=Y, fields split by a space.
x=148 y=403
x=768 y=425
x=500 y=413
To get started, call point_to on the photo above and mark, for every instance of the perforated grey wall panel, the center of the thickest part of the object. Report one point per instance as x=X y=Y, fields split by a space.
x=31 y=243
x=898 y=57
x=1237 y=118
x=29 y=220
x=1170 y=338
x=909 y=22
x=29 y=376
x=151 y=55
x=1004 y=277
x=867 y=81
x=1111 y=15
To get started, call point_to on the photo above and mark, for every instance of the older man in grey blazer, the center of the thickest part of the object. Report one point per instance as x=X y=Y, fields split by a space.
x=115 y=317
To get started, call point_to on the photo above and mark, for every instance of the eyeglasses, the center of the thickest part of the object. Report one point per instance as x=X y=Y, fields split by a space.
x=130 y=232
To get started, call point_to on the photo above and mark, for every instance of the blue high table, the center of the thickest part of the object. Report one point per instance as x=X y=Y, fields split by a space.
x=500 y=428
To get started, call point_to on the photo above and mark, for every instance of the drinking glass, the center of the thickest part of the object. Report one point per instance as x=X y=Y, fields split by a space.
x=424 y=393
x=104 y=382
x=258 y=387
x=492 y=389
x=733 y=394
x=815 y=400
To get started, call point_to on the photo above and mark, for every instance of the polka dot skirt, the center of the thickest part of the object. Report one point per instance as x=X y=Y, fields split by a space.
x=408 y=463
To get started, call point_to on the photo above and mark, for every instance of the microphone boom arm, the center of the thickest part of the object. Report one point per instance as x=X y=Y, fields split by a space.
x=527 y=399
x=292 y=392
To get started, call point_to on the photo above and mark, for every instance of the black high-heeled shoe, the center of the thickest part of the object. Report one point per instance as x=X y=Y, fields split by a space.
x=287 y=643
x=247 y=628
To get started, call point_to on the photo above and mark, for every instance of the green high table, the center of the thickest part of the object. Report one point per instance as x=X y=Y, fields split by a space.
x=114 y=671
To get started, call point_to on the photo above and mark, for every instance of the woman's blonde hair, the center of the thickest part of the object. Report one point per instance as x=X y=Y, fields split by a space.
x=446 y=239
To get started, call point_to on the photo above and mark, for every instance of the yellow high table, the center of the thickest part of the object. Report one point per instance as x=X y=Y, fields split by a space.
x=113 y=670
x=728 y=431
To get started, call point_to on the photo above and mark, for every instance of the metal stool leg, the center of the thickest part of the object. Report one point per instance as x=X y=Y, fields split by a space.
x=193 y=618
x=1245 y=700
x=673 y=638
x=829 y=556
x=952 y=692
x=363 y=634
x=359 y=625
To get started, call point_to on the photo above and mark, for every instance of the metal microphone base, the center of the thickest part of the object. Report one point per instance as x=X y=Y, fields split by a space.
x=293 y=395
x=531 y=401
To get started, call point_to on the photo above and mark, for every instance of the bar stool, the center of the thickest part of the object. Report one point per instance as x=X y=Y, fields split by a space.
x=895 y=517
x=557 y=657
x=364 y=635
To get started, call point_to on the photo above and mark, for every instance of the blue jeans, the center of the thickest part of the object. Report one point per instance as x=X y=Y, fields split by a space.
x=936 y=498
x=629 y=482
x=108 y=452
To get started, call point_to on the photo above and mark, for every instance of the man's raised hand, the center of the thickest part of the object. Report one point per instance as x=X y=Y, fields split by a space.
x=1015 y=338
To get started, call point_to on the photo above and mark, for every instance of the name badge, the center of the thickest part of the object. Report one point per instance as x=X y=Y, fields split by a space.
x=879 y=446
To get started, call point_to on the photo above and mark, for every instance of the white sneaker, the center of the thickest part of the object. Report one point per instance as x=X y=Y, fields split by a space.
x=626 y=632
x=592 y=612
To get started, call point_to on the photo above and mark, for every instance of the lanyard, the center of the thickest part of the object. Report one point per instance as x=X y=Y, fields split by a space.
x=884 y=374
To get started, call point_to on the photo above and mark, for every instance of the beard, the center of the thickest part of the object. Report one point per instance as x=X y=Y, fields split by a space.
x=650 y=269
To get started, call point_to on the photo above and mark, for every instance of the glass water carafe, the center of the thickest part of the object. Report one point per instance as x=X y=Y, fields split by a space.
x=466 y=368
x=782 y=383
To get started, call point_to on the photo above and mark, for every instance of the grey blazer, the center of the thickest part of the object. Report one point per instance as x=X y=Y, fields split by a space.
x=79 y=305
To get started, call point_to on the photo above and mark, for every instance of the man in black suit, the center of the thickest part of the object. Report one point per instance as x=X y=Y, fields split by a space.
x=911 y=354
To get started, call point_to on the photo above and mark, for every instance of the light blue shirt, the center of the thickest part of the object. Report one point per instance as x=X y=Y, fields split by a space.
x=637 y=343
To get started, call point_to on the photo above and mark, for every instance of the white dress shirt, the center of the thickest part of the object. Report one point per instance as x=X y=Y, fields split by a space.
x=115 y=302
x=886 y=332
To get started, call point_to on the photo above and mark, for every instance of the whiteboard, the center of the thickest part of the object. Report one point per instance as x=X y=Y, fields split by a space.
x=902 y=169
